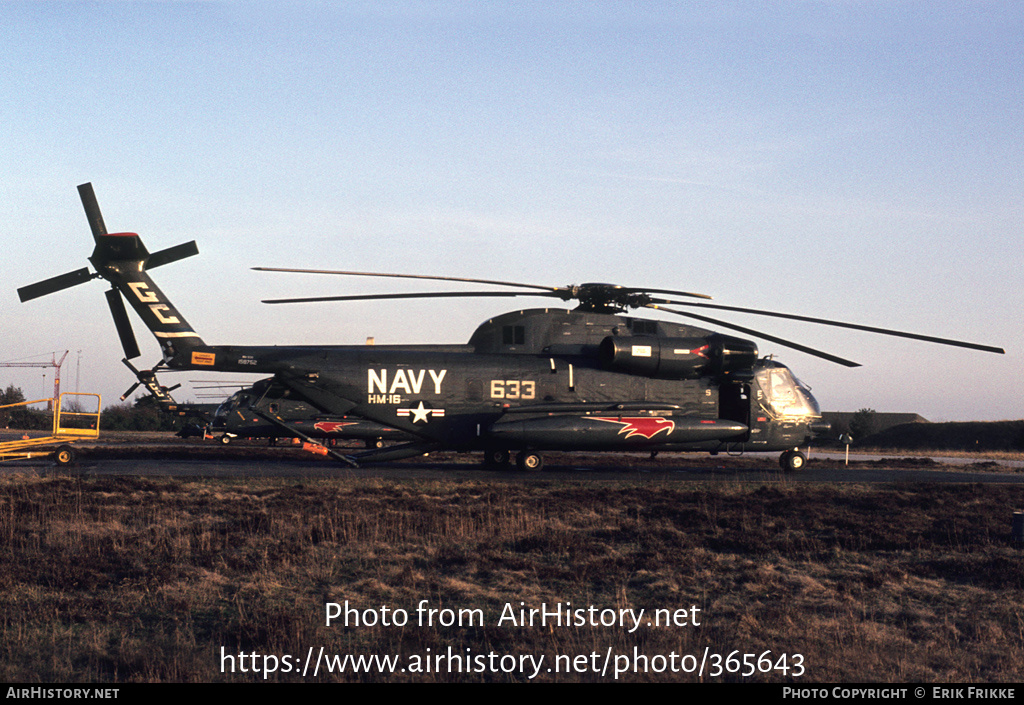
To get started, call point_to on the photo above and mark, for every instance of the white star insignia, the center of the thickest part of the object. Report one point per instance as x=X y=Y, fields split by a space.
x=420 y=414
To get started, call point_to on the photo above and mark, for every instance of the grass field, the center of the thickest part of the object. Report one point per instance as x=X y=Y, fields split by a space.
x=126 y=579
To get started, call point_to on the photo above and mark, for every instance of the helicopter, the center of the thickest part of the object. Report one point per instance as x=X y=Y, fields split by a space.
x=160 y=396
x=591 y=378
x=267 y=410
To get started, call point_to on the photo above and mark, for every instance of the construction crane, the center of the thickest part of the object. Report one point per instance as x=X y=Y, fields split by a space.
x=54 y=363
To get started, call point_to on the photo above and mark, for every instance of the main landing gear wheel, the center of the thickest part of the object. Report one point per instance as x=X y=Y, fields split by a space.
x=65 y=455
x=792 y=461
x=529 y=461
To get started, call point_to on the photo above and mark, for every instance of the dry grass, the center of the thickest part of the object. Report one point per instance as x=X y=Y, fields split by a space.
x=128 y=579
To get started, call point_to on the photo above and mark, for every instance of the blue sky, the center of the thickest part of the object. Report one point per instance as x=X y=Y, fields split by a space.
x=852 y=159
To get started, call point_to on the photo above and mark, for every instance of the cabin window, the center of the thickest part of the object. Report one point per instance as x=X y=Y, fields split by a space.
x=640 y=326
x=513 y=335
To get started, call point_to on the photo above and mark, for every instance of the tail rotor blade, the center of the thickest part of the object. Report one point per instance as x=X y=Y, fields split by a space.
x=48 y=286
x=123 y=325
x=172 y=254
x=92 y=210
x=146 y=377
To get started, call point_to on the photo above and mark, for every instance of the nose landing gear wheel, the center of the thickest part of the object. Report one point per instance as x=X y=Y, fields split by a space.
x=529 y=461
x=792 y=461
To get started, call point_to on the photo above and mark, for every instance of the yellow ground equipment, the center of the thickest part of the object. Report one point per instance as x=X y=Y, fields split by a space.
x=70 y=424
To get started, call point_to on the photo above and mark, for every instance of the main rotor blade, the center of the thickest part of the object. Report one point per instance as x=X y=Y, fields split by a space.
x=48 y=286
x=407 y=276
x=763 y=336
x=414 y=295
x=92 y=210
x=602 y=293
x=842 y=324
x=123 y=325
x=667 y=291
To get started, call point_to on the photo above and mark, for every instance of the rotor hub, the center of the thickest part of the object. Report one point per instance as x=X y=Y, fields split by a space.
x=600 y=297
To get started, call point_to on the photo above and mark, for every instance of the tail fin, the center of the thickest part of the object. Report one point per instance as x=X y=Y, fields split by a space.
x=161 y=396
x=124 y=261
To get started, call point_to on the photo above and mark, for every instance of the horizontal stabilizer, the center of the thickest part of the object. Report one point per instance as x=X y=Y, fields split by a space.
x=48 y=286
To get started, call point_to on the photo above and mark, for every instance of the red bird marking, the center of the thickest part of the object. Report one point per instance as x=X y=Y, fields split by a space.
x=646 y=426
x=332 y=426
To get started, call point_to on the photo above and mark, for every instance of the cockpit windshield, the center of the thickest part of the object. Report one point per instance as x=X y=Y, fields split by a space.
x=784 y=395
x=231 y=403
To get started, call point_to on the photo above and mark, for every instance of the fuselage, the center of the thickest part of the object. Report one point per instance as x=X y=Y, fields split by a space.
x=546 y=379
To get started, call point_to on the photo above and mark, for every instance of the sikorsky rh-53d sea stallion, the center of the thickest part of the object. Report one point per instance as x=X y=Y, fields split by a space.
x=589 y=378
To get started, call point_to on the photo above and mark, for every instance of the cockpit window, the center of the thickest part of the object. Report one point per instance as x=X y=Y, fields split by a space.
x=784 y=395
